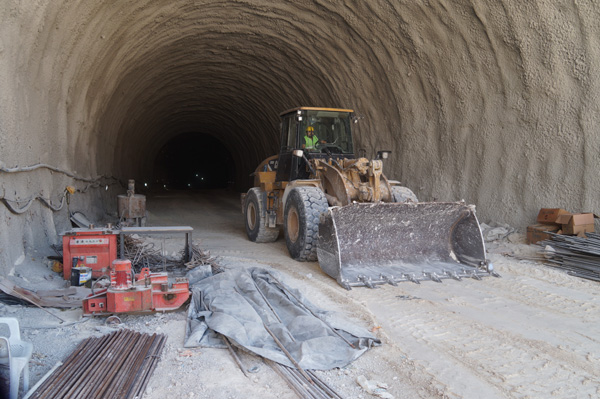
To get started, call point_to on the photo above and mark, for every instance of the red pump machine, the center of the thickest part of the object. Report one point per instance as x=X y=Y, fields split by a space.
x=95 y=248
x=146 y=293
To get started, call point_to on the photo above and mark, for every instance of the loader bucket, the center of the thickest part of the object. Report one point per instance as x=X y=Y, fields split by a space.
x=378 y=243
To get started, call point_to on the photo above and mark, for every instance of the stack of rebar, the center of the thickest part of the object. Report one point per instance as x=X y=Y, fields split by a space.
x=117 y=365
x=146 y=254
x=315 y=388
x=579 y=256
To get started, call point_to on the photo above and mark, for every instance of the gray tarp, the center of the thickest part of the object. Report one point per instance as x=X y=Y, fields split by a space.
x=233 y=304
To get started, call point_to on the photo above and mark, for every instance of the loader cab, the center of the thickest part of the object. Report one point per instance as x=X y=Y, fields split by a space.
x=331 y=138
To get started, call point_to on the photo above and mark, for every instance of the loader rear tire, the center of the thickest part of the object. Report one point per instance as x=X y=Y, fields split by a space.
x=303 y=209
x=256 y=217
x=402 y=194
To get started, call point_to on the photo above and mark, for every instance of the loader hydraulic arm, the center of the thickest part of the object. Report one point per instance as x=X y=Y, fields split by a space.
x=350 y=180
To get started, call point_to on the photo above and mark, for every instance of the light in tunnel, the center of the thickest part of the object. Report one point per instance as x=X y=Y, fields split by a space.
x=194 y=161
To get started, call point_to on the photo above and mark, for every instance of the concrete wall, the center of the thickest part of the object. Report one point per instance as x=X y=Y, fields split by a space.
x=491 y=102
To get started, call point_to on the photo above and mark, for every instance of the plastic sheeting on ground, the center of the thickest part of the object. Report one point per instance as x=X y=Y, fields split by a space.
x=244 y=304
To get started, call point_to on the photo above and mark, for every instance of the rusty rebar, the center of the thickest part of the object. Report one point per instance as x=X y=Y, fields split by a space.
x=324 y=386
x=125 y=362
x=145 y=254
x=72 y=375
x=151 y=365
x=234 y=355
x=52 y=378
x=300 y=390
x=105 y=367
x=133 y=362
x=289 y=356
x=298 y=379
x=310 y=310
x=98 y=366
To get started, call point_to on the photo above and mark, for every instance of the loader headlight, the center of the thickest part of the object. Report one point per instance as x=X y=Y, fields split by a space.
x=383 y=154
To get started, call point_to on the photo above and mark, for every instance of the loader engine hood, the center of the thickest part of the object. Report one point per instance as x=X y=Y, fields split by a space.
x=370 y=244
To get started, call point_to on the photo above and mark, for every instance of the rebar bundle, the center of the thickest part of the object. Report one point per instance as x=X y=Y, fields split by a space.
x=117 y=365
x=146 y=254
x=579 y=256
x=313 y=389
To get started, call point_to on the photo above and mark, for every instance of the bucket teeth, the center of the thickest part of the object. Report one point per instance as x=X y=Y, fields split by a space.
x=411 y=277
x=392 y=279
x=367 y=281
x=389 y=279
x=453 y=275
x=433 y=276
x=475 y=276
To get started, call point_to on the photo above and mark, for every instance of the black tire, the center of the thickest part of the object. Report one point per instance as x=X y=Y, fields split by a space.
x=402 y=194
x=256 y=217
x=303 y=209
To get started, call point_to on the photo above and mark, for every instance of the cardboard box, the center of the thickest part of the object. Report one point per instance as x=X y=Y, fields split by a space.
x=549 y=215
x=578 y=223
x=538 y=232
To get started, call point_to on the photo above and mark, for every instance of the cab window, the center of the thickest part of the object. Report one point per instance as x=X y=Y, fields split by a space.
x=288 y=134
x=333 y=127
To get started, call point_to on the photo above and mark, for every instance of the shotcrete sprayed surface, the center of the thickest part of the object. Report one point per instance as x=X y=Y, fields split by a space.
x=492 y=102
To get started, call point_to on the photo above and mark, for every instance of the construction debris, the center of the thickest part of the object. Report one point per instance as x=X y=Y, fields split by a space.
x=117 y=365
x=579 y=256
x=144 y=254
x=60 y=298
x=375 y=388
x=496 y=231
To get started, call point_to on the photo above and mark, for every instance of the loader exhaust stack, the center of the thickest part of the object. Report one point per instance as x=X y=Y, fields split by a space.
x=368 y=244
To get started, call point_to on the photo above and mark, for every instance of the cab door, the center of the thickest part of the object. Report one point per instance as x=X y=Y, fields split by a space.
x=288 y=164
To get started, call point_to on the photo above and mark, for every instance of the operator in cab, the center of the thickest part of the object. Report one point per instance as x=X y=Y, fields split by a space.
x=310 y=139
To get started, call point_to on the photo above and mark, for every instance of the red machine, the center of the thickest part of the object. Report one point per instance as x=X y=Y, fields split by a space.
x=147 y=293
x=94 y=248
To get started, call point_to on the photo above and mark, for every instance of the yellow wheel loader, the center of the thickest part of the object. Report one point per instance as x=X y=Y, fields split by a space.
x=341 y=210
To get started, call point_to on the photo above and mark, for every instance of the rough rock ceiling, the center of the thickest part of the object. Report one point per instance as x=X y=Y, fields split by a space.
x=491 y=102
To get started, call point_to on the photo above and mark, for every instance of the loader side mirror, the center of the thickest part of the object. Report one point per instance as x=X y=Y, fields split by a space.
x=298 y=153
x=384 y=154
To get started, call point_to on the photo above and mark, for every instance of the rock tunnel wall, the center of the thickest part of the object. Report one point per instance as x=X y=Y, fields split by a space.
x=491 y=102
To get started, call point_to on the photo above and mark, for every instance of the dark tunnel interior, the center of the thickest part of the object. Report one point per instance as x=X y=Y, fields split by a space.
x=193 y=161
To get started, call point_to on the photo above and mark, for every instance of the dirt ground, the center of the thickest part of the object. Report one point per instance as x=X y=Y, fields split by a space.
x=532 y=333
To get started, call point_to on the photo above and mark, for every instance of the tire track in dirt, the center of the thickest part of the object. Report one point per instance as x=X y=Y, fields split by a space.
x=472 y=338
x=461 y=332
x=406 y=378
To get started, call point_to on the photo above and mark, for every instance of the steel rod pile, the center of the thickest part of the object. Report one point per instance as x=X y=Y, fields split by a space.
x=313 y=389
x=117 y=365
x=146 y=254
x=579 y=256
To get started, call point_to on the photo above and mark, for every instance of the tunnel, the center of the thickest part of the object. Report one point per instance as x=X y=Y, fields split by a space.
x=192 y=161
x=494 y=103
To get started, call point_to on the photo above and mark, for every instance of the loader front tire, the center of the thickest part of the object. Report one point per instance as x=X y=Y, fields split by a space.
x=255 y=214
x=303 y=209
x=402 y=194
